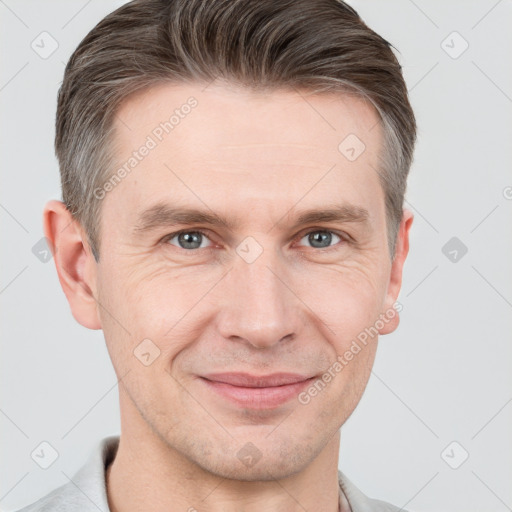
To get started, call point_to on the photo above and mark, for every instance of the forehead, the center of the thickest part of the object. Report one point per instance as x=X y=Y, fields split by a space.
x=205 y=142
x=242 y=115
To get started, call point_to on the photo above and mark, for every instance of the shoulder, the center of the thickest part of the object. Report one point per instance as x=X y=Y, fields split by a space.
x=61 y=499
x=86 y=490
x=359 y=502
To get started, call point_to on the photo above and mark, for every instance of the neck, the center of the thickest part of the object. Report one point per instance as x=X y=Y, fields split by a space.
x=149 y=474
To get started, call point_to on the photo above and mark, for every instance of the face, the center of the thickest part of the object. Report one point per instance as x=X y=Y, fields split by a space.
x=222 y=326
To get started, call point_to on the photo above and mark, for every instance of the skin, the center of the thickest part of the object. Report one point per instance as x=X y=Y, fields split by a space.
x=257 y=158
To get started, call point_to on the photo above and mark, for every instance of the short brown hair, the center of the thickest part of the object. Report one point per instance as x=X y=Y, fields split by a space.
x=316 y=45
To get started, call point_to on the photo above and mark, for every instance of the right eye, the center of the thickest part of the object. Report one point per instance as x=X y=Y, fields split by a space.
x=187 y=239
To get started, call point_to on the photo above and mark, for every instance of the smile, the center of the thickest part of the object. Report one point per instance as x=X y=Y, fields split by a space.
x=257 y=392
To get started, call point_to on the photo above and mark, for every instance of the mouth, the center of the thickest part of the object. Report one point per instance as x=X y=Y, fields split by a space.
x=257 y=391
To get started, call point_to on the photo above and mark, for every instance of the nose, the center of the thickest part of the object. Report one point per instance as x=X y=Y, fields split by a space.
x=257 y=304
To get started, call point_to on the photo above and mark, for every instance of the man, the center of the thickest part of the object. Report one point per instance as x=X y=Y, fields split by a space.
x=233 y=177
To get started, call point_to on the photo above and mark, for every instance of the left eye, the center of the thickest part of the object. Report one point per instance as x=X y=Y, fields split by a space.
x=320 y=239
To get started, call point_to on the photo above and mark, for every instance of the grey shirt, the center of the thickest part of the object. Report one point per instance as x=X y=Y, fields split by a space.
x=86 y=492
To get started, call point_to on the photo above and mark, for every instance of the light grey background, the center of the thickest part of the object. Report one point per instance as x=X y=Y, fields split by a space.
x=445 y=375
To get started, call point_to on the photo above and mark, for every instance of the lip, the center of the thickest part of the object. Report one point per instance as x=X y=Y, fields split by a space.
x=257 y=391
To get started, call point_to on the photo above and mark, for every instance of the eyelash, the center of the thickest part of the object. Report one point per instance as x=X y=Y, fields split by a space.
x=344 y=238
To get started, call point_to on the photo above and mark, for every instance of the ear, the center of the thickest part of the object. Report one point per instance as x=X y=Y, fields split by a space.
x=75 y=263
x=395 y=278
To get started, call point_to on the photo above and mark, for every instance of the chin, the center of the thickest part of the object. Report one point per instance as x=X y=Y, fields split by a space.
x=258 y=460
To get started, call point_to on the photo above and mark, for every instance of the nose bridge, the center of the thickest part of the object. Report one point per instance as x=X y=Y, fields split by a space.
x=259 y=307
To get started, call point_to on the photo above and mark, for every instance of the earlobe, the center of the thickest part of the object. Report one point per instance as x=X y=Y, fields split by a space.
x=391 y=313
x=74 y=262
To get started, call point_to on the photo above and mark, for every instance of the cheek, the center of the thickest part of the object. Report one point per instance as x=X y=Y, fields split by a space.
x=346 y=297
x=147 y=297
x=161 y=302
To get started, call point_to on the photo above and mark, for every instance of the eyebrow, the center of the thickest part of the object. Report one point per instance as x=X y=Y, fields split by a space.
x=164 y=215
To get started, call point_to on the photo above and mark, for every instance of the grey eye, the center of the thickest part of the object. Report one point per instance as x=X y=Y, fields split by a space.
x=189 y=239
x=320 y=239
